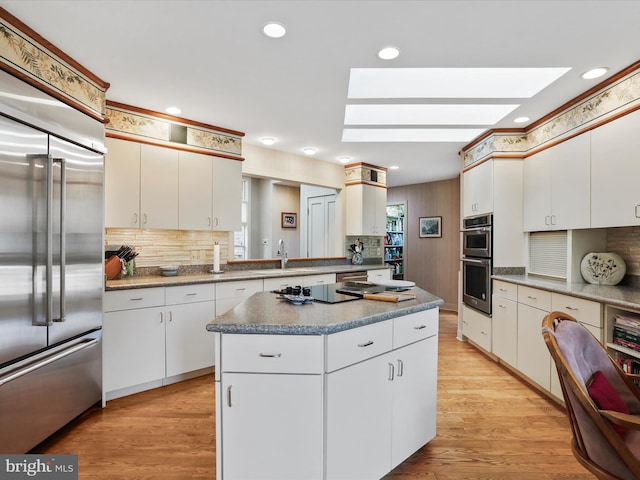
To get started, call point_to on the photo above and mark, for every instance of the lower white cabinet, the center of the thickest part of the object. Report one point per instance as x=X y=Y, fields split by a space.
x=288 y=409
x=163 y=338
x=230 y=294
x=476 y=327
x=133 y=347
x=313 y=418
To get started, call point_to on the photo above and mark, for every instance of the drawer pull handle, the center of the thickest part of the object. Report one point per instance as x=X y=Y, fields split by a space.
x=502 y=306
x=366 y=344
x=137 y=299
x=391 y=369
x=502 y=289
x=240 y=289
x=270 y=355
x=532 y=297
x=419 y=327
x=572 y=308
x=191 y=294
x=400 y=367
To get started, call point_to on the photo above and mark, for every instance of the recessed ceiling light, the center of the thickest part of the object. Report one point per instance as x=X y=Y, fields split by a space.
x=388 y=53
x=421 y=114
x=394 y=167
x=450 y=82
x=521 y=120
x=344 y=159
x=410 y=134
x=268 y=140
x=274 y=30
x=594 y=73
x=173 y=110
x=309 y=150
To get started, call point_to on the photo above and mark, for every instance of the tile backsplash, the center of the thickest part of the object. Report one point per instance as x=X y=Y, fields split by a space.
x=625 y=241
x=171 y=247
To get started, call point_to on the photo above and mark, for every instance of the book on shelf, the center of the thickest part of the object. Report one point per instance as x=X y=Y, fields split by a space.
x=624 y=321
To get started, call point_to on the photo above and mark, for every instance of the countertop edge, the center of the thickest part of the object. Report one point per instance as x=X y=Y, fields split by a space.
x=625 y=297
x=275 y=329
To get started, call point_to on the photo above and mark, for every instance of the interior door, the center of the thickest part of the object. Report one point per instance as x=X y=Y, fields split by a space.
x=321 y=225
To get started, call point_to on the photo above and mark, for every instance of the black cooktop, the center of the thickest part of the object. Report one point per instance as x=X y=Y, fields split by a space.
x=342 y=292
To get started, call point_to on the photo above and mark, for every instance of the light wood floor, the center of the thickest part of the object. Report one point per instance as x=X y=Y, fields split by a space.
x=490 y=426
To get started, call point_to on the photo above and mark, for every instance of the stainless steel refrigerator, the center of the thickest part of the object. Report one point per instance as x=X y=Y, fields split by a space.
x=51 y=264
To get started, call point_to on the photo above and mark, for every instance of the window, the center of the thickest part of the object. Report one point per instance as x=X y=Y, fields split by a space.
x=241 y=238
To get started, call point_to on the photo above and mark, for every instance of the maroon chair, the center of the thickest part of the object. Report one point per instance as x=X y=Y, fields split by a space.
x=597 y=395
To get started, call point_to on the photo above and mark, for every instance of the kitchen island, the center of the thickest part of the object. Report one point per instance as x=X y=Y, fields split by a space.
x=324 y=391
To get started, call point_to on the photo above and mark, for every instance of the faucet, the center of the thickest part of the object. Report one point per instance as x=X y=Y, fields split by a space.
x=282 y=254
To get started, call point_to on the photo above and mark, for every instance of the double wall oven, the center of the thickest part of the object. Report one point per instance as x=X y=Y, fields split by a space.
x=476 y=262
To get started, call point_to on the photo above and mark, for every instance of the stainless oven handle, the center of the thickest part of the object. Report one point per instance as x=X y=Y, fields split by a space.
x=476 y=229
x=483 y=261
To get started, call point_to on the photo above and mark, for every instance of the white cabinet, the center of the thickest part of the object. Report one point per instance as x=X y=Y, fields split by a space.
x=587 y=312
x=122 y=184
x=504 y=327
x=476 y=327
x=378 y=275
x=133 y=338
x=349 y=405
x=478 y=190
x=148 y=186
x=195 y=191
x=159 y=172
x=151 y=334
x=557 y=187
x=366 y=210
x=227 y=195
x=381 y=410
x=189 y=346
x=230 y=294
x=321 y=279
x=534 y=359
x=615 y=170
x=359 y=420
x=271 y=407
x=280 y=283
x=288 y=410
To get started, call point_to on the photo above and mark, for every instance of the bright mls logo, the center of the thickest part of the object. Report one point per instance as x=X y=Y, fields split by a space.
x=49 y=467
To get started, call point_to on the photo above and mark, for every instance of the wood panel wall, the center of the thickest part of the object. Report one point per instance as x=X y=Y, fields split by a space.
x=433 y=263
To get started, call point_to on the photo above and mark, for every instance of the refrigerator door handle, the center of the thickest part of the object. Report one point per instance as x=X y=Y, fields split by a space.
x=63 y=237
x=47 y=360
x=49 y=244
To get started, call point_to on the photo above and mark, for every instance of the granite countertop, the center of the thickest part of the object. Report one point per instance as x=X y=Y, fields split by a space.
x=625 y=297
x=265 y=313
x=230 y=276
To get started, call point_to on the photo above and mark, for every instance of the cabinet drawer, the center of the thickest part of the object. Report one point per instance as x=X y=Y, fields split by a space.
x=136 y=298
x=190 y=293
x=534 y=298
x=272 y=353
x=585 y=311
x=352 y=346
x=382 y=274
x=414 y=327
x=238 y=289
x=506 y=289
x=280 y=283
x=323 y=279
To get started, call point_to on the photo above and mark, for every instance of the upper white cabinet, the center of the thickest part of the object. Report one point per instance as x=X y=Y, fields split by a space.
x=478 y=190
x=148 y=186
x=159 y=173
x=122 y=184
x=615 y=170
x=366 y=209
x=227 y=194
x=556 y=187
x=196 y=191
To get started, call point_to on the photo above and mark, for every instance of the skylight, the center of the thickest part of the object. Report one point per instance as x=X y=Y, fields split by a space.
x=450 y=82
x=426 y=114
x=410 y=134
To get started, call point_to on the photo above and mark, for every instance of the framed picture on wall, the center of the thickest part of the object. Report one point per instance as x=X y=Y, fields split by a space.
x=289 y=220
x=430 y=227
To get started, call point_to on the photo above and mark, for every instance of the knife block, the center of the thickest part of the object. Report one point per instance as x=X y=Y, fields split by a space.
x=113 y=268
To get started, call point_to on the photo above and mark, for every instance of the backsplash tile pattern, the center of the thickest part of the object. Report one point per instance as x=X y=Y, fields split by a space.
x=625 y=241
x=171 y=247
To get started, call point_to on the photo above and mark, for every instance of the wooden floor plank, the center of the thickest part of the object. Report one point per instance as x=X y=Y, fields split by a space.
x=490 y=426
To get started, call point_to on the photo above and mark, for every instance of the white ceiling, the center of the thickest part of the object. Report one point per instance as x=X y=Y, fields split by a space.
x=211 y=59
